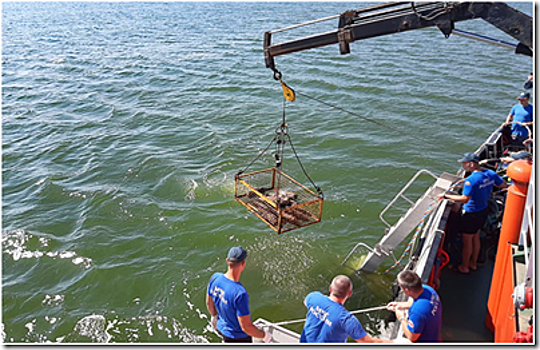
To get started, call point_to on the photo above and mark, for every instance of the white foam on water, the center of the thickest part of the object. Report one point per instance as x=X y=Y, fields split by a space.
x=15 y=244
x=93 y=327
x=53 y=300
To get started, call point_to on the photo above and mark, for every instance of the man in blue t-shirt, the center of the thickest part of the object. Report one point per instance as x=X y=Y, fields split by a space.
x=476 y=191
x=227 y=302
x=521 y=117
x=327 y=319
x=424 y=321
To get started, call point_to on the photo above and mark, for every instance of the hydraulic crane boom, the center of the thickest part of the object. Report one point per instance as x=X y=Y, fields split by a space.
x=395 y=17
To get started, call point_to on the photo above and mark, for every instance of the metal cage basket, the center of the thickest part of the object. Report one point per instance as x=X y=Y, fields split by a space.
x=281 y=202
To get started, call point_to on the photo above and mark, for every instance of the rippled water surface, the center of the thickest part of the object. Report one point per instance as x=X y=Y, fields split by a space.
x=123 y=125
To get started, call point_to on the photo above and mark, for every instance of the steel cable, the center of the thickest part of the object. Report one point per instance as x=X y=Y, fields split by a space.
x=375 y=122
x=352 y=312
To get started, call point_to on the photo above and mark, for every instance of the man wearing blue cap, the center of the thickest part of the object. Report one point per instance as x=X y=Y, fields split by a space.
x=521 y=117
x=227 y=302
x=475 y=195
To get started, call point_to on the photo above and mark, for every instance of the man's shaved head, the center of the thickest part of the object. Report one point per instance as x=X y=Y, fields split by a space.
x=341 y=286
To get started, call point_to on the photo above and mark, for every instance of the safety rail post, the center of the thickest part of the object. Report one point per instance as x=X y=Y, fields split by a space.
x=378 y=253
x=400 y=194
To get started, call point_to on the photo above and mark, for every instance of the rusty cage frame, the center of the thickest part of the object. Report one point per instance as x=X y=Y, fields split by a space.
x=251 y=190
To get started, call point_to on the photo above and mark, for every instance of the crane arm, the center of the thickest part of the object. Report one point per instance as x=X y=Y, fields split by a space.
x=390 y=18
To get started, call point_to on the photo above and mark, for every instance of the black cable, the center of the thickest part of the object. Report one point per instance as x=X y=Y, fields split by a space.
x=254 y=160
x=283 y=124
x=319 y=191
x=283 y=132
x=280 y=137
x=375 y=122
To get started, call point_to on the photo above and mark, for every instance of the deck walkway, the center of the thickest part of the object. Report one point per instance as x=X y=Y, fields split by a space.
x=463 y=322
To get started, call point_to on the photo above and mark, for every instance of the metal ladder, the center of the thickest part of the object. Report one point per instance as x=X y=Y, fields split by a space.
x=399 y=231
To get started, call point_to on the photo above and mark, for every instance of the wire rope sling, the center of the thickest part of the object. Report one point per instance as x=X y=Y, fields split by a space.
x=280 y=201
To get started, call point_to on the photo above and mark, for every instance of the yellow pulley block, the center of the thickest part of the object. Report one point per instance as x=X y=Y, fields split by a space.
x=288 y=93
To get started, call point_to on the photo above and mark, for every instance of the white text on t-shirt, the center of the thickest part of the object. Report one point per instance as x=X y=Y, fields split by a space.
x=320 y=314
x=220 y=293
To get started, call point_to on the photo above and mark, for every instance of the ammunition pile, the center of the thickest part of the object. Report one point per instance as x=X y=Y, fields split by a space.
x=281 y=201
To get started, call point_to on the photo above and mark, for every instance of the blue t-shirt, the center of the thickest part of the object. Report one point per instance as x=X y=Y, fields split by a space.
x=425 y=316
x=523 y=115
x=329 y=322
x=231 y=300
x=478 y=186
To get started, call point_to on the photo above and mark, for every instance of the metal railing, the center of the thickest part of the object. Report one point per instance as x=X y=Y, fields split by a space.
x=378 y=251
x=401 y=194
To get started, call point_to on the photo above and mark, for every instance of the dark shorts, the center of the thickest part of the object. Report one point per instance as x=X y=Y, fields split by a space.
x=517 y=140
x=235 y=340
x=470 y=223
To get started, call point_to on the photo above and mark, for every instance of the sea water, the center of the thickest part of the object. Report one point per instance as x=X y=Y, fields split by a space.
x=124 y=124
